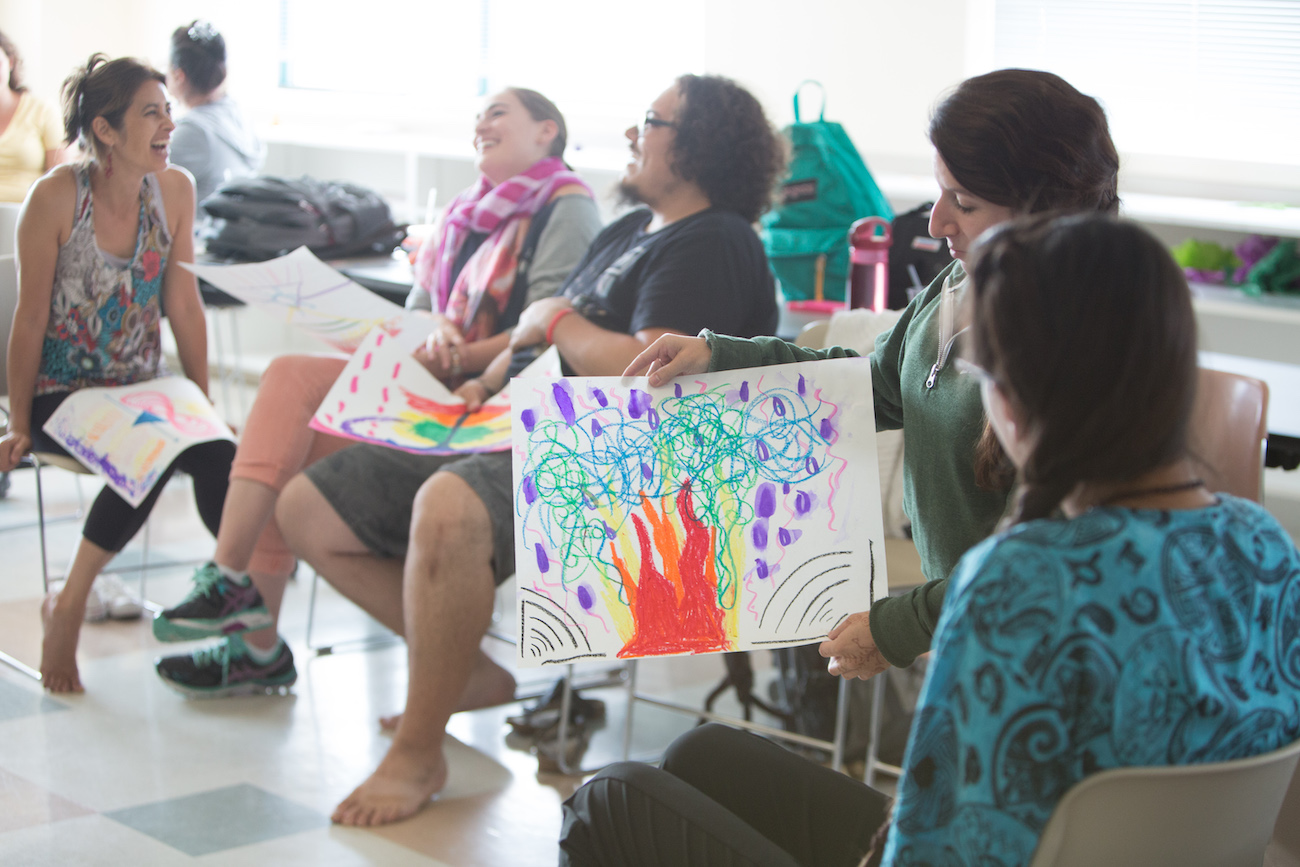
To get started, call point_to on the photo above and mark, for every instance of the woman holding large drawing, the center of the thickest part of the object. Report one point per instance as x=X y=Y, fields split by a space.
x=1010 y=142
x=99 y=250
x=511 y=238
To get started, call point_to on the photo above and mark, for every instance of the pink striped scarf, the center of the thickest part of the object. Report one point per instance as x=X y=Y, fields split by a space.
x=489 y=209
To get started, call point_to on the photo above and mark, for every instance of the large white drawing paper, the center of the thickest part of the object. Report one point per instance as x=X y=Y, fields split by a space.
x=729 y=511
x=302 y=290
x=385 y=396
x=129 y=434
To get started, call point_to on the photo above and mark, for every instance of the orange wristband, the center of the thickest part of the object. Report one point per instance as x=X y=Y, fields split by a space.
x=555 y=320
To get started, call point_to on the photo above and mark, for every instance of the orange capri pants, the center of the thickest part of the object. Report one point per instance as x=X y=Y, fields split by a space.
x=276 y=442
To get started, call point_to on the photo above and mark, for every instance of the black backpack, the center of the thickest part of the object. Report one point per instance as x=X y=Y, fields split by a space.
x=262 y=217
x=914 y=257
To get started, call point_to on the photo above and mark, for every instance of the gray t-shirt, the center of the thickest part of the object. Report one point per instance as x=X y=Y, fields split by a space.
x=216 y=144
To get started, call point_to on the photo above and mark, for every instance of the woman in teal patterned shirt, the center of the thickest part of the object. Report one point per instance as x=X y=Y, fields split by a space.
x=1125 y=615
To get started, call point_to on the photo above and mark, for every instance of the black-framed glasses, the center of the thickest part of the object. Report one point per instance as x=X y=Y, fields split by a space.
x=651 y=120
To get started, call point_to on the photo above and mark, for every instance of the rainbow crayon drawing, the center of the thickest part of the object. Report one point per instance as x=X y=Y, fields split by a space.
x=386 y=397
x=729 y=511
x=129 y=434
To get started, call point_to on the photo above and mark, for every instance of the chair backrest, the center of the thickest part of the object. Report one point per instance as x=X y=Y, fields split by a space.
x=1229 y=426
x=8 y=226
x=8 y=303
x=1211 y=815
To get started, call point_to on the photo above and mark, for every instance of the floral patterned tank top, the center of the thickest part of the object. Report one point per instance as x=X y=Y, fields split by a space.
x=104 y=313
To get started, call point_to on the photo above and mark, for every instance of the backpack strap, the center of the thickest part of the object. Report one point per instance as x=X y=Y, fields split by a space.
x=821 y=116
x=519 y=292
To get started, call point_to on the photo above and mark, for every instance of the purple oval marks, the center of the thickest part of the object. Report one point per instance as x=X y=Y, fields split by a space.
x=785 y=487
x=600 y=396
x=543 y=562
x=766 y=500
x=609 y=531
x=760 y=534
x=827 y=429
x=637 y=403
x=530 y=490
x=563 y=394
x=802 y=503
x=760 y=566
x=760 y=448
x=653 y=418
x=744 y=391
x=699 y=440
x=779 y=406
x=677 y=389
x=803 y=386
x=595 y=428
x=529 y=419
x=647 y=472
x=584 y=597
x=783 y=536
x=812 y=466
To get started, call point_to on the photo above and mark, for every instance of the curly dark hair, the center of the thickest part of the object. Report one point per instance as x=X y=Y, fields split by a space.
x=726 y=146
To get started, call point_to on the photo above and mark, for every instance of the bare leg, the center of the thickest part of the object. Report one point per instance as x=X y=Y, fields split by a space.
x=248 y=507
x=447 y=594
x=317 y=534
x=61 y=615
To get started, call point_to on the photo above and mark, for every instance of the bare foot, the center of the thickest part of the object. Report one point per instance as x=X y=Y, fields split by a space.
x=489 y=685
x=402 y=784
x=59 y=647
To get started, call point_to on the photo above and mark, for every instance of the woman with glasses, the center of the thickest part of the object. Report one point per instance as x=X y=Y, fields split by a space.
x=1010 y=142
x=1124 y=616
x=469 y=277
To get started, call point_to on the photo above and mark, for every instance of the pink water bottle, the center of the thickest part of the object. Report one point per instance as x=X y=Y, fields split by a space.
x=869 y=263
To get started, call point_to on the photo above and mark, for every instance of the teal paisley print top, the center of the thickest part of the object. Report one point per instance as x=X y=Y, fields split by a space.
x=104 y=313
x=1121 y=637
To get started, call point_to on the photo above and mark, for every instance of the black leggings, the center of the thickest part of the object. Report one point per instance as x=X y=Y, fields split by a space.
x=722 y=797
x=113 y=521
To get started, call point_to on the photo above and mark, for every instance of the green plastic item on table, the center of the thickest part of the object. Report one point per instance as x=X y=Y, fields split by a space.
x=1277 y=273
x=1205 y=256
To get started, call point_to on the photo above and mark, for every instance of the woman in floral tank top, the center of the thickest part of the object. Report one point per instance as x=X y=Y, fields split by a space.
x=99 y=250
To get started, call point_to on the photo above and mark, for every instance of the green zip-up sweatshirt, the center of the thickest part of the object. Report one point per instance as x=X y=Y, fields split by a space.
x=941 y=426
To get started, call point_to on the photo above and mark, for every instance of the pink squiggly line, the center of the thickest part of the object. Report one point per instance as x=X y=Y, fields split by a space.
x=834 y=483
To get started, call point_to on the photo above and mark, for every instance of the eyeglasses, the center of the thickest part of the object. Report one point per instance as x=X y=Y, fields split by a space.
x=651 y=120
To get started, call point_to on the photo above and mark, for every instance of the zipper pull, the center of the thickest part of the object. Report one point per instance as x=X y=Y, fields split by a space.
x=934 y=372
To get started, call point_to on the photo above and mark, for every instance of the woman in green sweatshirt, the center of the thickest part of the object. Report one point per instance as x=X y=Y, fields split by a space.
x=1010 y=142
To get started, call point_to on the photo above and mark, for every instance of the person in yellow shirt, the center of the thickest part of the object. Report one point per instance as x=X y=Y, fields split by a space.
x=31 y=135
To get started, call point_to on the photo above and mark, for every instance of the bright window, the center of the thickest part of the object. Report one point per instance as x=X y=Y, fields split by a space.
x=1201 y=79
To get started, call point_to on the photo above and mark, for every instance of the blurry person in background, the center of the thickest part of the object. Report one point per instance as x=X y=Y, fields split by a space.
x=31 y=136
x=213 y=140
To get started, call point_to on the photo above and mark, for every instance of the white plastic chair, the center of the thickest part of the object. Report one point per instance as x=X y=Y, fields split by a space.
x=1212 y=815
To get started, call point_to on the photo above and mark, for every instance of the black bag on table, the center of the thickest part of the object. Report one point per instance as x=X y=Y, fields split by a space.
x=913 y=246
x=262 y=217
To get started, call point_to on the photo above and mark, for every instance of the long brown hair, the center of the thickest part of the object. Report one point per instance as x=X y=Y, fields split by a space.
x=1029 y=141
x=15 y=63
x=1086 y=324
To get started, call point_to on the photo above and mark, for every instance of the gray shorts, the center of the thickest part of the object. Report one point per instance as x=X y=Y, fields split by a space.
x=372 y=488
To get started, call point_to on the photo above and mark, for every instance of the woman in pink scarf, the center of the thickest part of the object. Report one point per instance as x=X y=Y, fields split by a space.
x=470 y=278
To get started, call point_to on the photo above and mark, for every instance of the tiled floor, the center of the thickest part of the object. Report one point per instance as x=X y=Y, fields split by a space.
x=130 y=773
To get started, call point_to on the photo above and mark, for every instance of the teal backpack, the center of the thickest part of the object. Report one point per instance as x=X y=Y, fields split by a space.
x=828 y=187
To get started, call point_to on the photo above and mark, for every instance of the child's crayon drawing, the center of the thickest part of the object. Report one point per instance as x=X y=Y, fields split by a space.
x=729 y=511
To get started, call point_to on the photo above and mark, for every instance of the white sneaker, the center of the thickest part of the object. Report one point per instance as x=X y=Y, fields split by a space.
x=119 y=603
